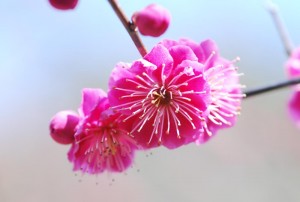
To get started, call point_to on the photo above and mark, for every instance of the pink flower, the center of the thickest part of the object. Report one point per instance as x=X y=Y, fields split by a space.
x=223 y=80
x=101 y=142
x=292 y=67
x=164 y=95
x=62 y=126
x=226 y=93
x=152 y=20
x=64 y=4
x=294 y=107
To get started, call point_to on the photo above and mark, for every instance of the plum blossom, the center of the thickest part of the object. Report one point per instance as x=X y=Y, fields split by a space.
x=292 y=67
x=64 y=4
x=225 y=89
x=164 y=94
x=181 y=92
x=63 y=126
x=226 y=94
x=153 y=20
x=294 y=107
x=100 y=141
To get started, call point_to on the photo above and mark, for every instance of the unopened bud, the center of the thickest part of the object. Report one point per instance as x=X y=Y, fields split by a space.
x=152 y=20
x=62 y=126
x=64 y=4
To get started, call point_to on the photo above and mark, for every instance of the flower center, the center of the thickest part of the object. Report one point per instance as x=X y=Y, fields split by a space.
x=161 y=96
x=162 y=104
x=105 y=138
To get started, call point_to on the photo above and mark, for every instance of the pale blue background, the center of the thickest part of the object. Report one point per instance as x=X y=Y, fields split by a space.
x=48 y=56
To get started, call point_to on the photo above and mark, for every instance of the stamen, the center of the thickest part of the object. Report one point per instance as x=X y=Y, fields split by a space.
x=123 y=106
x=143 y=80
x=176 y=125
x=217 y=116
x=139 y=85
x=132 y=95
x=176 y=120
x=144 y=118
x=178 y=86
x=176 y=106
x=226 y=104
x=168 y=121
x=175 y=78
x=187 y=117
x=148 y=77
x=163 y=77
x=194 y=77
x=128 y=90
x=183 y=98
x=225 y=114
x=212 y=119
x=193 y=92
x=156 y=123
x=205 y=129
x=186 y=104
x=210 y=57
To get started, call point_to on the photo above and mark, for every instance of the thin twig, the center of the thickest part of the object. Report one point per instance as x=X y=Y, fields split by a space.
x=276 y=86
x=273 y=9
x=129 y=26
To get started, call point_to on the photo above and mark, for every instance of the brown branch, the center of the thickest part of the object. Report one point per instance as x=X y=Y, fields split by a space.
x=129 y=26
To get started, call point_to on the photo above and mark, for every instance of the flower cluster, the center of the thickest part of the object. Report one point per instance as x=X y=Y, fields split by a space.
x=181 y=92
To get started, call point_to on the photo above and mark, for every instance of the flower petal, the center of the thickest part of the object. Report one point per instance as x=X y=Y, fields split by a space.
x=294 y=107
x=180 y=53
x=90 y=99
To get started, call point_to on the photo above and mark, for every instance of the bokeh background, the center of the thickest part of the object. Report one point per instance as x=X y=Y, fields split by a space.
x=47 y=56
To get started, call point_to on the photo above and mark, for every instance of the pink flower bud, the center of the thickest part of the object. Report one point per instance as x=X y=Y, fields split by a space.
x=64 y=4
x=152 y=20
x=62 y=126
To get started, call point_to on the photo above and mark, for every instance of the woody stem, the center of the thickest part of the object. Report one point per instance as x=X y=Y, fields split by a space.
x=284 y=35
x=129 y=26
x=272 y=87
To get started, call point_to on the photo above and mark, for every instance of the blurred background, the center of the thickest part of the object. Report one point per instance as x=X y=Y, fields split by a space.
x=47 y=56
